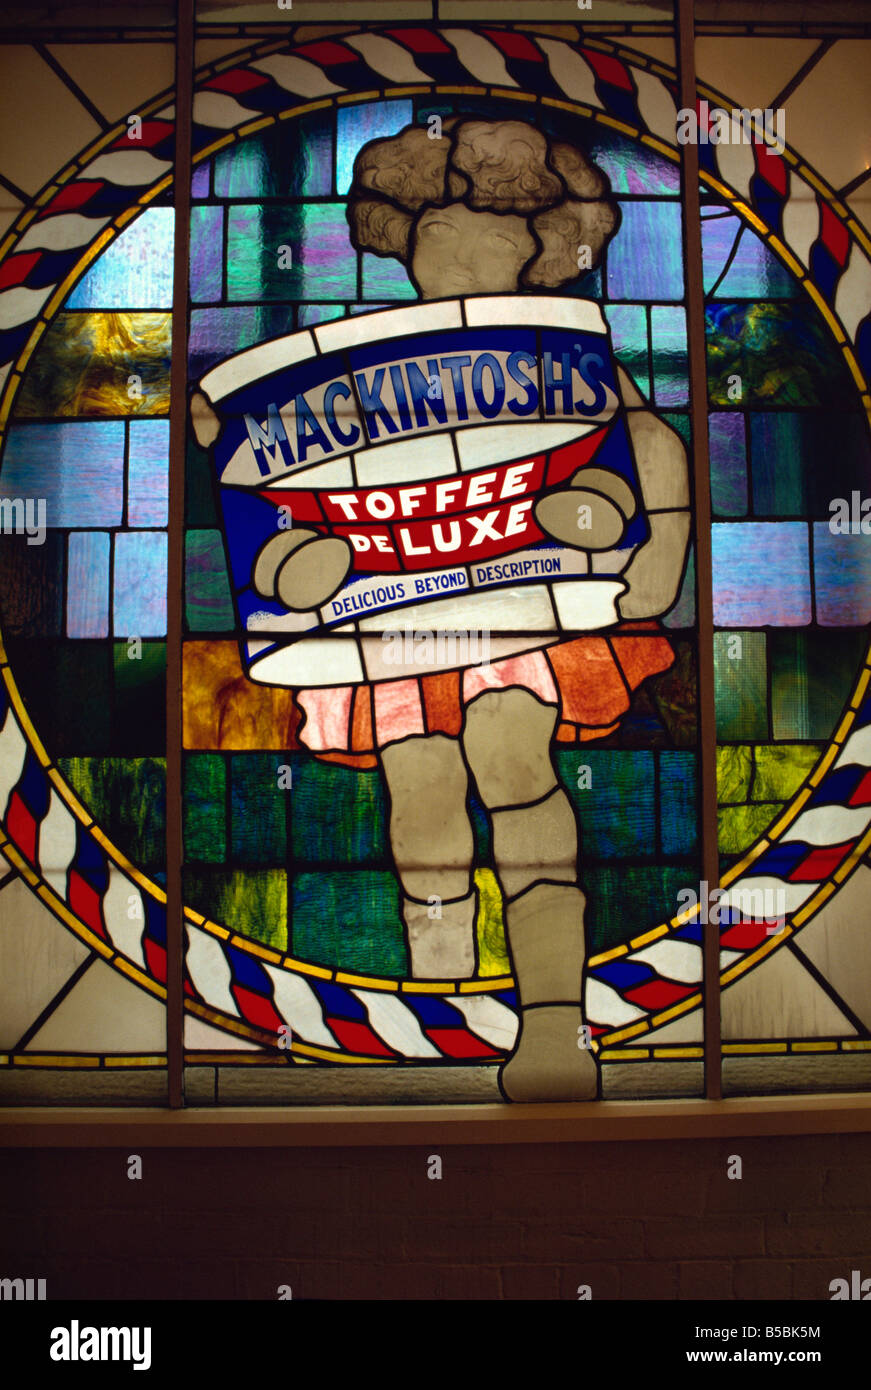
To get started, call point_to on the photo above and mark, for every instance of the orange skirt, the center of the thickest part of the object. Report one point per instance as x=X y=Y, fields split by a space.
x=590 y=680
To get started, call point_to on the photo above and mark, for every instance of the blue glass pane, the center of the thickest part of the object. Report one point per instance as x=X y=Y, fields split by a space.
x=728 y=454
x=77 y=467
x=756 y=273
x=135 y=272
x=719 y=233
x=200 y=180
x=218 y=333
x=148 y=473
x=357 y=125
x=632 y=168
x=139 y=596
x=761 y=574
x=319 y=313
x=384 y=277
x=207 y=248
x=88 y=584
x=645 y=259
x=842 y=577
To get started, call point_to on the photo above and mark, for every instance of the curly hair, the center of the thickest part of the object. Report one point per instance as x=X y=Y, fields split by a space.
x=493 y=166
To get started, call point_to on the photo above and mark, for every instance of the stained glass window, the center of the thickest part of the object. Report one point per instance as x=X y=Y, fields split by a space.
x=451 y=600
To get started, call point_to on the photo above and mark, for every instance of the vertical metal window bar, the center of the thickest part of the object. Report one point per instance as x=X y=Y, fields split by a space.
x=698 y=384
x=184 y=78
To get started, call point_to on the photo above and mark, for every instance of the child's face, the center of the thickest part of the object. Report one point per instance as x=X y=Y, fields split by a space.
x=457 y=251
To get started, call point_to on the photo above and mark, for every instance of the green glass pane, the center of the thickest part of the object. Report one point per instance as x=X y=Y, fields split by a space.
x=774 y=353
x=199 y=496
x=778 y=464
x=680 y=421
x=678 y=803
x=205 y=816
x=252 y=903
x=338 y=814
x=621 y=899
x=673 y=696
x=616 y=810
x=841 y=438
x=258 y=808
x=288 y=160
x=668 y=331
x=139 y=723
x=66 y=687
x=683 y=612
x=628 y=324
x=786 y=450
x=781 y=769
x=317 y=262
x=31 y=586
x=349 y=921
x=128 y=794
x=740 y=688
x=811 y=676
x=208 y=602
x=588 y=286
x=490 y=927
x=734 y=770
x=738 y=827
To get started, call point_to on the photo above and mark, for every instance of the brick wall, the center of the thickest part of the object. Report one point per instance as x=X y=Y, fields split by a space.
x=635 y=1220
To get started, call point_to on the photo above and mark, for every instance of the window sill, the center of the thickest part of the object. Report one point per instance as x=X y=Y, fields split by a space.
x=397 y=1126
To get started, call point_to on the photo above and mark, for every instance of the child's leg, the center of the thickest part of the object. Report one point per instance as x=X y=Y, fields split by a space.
x=507 y=739
x=432 y=843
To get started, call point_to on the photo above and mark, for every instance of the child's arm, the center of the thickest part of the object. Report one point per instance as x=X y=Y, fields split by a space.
x=655 y=571
x=592 y=512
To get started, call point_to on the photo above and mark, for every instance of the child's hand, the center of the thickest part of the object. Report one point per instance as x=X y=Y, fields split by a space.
x=591 y=513
x=302 y=568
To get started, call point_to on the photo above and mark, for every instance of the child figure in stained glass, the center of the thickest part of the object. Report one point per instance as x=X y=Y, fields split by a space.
x=494 y=208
